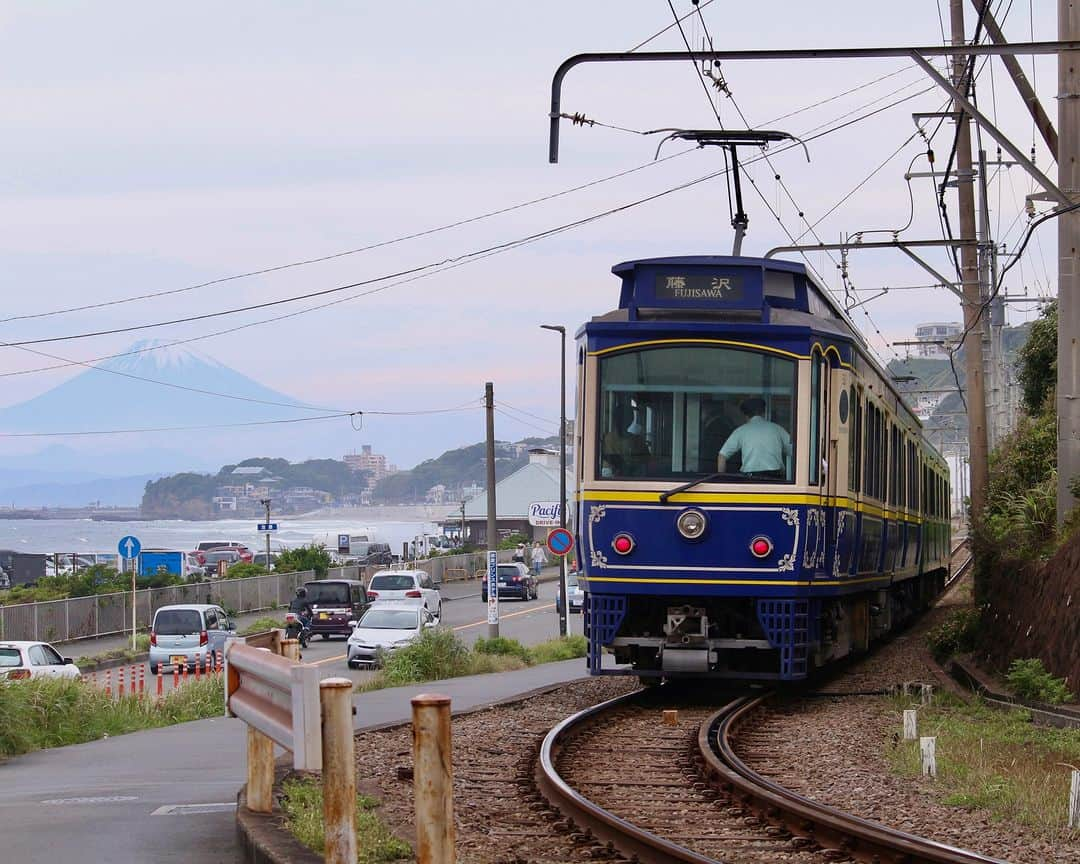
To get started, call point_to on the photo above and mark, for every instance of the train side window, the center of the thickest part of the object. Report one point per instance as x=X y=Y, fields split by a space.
x=815 y=417
x=855 y=444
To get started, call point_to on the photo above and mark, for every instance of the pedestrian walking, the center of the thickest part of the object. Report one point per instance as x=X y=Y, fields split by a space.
x=519 y=553
x=539 y=559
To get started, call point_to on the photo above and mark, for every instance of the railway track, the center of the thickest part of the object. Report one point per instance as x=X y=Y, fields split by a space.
x=636 y=788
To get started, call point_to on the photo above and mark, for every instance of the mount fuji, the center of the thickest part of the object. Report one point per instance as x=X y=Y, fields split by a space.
x=152 y=384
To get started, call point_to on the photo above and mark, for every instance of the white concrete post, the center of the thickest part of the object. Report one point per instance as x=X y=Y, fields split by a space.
x=910 y=724
x=927 y=693
x=927 y=747
x=1074 y=800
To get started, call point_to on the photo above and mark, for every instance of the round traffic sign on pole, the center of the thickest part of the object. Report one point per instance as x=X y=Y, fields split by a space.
x=129 y=547
x=560 y=541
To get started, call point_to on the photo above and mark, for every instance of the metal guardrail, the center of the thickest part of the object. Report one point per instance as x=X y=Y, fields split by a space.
x=109 y=614
x=277 y=696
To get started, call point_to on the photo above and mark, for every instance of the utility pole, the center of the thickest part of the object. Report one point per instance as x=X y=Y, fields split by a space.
x=969 y=277
x=492 y=529
x=1068 y=364
x=266 y=503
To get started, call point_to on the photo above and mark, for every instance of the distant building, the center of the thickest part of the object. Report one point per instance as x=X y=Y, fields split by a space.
x=537 y=482
x=936 y=338
x=374 y=463
x=436 y=494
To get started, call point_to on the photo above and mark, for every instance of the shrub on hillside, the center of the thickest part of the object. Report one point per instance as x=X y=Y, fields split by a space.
x=957 y=635
x=1030 y=680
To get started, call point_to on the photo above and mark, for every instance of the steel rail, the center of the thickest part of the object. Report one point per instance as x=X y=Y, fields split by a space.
x=629 y=840
x=827 y=826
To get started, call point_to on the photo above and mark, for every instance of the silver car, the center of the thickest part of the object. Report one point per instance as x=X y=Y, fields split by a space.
x=383 y=629
x=189 y=634
x=575 y=593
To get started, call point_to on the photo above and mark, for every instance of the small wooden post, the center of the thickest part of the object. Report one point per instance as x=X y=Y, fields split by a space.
x=1074 y=800
x=910 y=724
x=260 y=771
x=433 y=781
x=927 y=692
x=671 y=717
x=339 y=771
x=290 y=649
x=927 y=747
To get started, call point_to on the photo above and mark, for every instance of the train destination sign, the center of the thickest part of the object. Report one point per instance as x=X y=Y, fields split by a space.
x=699 y=286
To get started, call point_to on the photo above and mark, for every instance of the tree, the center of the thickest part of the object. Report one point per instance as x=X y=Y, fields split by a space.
x=313 y=557
x=1037 y=364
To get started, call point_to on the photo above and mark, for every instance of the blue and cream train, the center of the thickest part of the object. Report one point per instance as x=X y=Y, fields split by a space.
x=767 y=575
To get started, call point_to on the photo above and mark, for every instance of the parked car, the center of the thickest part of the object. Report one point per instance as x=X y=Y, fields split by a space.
x=207 y=546
x=229 y=556
x=574 y=591
x=188 y=633
x=514 y=580
x=260 y=559
x=19 y=660
x=405 y=585
x=334 y=603
x=371 y=554
x=383 y=629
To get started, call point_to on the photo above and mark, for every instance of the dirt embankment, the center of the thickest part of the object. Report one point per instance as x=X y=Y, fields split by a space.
x=1035 y=612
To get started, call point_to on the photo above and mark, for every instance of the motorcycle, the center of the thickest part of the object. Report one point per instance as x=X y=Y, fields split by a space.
x=297 y=628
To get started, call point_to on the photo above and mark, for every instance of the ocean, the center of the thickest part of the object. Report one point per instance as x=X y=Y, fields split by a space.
x=87 y=535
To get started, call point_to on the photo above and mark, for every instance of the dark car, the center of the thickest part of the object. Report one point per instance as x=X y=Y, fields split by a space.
x=334 y=603
x=514 y=580
x=211 y=559
x=375 y=554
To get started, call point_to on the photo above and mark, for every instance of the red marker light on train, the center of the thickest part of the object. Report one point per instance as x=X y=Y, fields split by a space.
x=760 y=547
x=623 y=544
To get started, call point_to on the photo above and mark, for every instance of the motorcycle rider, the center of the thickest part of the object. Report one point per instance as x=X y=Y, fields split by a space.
x=301 y=606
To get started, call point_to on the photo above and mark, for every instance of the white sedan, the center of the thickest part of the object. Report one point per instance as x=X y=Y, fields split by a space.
x=34 y=660
x=383 y=629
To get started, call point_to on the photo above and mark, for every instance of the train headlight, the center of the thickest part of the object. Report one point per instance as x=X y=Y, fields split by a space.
x=623 y=544
x=692 y=524
x=761 y=546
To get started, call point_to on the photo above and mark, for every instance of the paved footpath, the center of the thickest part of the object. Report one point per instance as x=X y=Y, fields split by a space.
x=108 y=800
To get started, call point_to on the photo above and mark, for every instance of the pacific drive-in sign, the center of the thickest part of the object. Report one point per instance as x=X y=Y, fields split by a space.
x=544 y=514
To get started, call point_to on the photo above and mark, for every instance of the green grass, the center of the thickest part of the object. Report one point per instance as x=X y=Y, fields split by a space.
x=142 y=645
x=261 y=625
x=997 y=761
x=302 y=804
x=53 y=712
x=440 y=654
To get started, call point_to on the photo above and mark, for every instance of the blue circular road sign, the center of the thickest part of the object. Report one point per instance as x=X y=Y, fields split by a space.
x=560 y=541
x=129 y=547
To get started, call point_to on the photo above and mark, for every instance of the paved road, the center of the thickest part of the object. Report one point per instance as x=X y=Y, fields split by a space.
x=98 y=801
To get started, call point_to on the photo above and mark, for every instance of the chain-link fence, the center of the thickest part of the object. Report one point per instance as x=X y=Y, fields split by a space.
x=107 y=614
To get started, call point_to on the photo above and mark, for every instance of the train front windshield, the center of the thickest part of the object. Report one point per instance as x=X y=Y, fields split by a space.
x=668 y=413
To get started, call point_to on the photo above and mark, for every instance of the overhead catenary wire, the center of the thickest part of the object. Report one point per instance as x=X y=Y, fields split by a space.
x=337 y=415
x=262 y=271
x=415 y=272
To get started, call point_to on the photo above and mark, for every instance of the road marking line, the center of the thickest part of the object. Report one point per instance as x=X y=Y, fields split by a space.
x=100 y=799
x=459 y=627
x=504 y=617
x=192 y=809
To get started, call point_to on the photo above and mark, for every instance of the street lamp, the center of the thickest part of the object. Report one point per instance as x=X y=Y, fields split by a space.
x=564 y=605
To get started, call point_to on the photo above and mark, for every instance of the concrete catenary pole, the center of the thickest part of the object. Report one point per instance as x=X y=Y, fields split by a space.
x=969 y=271
x=1068 y=354
x=565 y=604
x=492 y=529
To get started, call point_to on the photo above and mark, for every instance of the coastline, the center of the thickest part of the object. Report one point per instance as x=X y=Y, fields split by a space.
x=374 y=512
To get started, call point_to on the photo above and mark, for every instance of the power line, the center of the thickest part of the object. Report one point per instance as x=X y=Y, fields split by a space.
x=509 y=416
x=467 y=260
x=332 y=416
x=371 y=246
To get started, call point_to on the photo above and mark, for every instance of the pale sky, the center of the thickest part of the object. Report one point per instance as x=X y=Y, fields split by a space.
x=147 y=148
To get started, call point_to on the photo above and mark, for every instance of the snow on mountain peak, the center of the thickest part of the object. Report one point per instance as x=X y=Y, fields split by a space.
x=149 y=355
